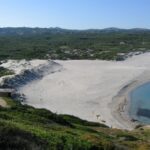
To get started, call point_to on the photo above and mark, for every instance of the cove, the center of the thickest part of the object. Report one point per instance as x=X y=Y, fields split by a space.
x=140 y=103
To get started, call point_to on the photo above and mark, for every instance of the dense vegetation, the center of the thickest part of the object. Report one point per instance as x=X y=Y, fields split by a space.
x=23 y=128
x=56 y=43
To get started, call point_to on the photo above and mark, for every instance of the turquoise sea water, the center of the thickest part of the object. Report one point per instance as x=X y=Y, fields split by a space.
x=140 y=103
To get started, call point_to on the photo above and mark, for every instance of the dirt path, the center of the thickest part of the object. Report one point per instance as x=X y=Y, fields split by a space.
x=3 y=102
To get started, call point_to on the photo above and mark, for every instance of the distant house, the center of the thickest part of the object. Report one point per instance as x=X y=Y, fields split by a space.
x=5 y=92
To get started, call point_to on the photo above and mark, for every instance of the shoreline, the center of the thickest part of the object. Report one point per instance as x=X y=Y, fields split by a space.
x=120 y=104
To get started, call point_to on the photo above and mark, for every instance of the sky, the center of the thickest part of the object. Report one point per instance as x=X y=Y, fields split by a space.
x=75 y=14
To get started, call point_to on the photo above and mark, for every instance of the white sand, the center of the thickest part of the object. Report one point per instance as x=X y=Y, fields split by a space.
x=85 y=88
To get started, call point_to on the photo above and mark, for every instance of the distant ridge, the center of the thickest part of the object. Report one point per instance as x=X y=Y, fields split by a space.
x=34 y=31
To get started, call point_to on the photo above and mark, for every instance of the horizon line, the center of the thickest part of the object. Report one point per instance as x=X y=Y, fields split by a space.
x=32 y=27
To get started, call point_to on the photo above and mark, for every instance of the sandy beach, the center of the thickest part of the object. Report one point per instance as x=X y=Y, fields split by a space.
x=94 y=90
x=122 y=99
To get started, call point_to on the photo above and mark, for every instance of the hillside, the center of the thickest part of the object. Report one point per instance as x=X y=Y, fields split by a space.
x=24 y=127
x=57 y=43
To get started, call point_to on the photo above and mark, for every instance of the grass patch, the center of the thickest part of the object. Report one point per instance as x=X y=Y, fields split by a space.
x=42 y=129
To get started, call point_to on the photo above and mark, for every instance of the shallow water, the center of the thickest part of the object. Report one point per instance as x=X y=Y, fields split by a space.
x=140 y=103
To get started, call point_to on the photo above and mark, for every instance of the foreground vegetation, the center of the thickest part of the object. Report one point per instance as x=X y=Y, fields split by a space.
x=56 y=43
x=23 y=127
